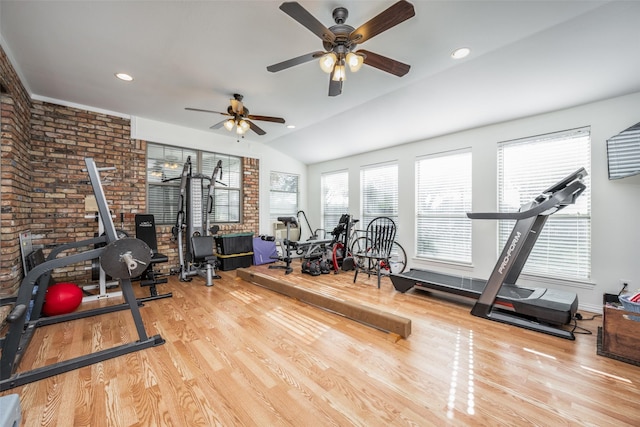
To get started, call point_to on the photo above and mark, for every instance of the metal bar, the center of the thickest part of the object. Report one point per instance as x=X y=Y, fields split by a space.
x=37 y=374
x=101 y=200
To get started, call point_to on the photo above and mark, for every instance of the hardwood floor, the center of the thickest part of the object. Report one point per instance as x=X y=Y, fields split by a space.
x=237 y=354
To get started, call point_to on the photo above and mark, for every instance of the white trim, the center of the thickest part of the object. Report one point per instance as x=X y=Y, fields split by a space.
x=468 y=149
x=79 y=106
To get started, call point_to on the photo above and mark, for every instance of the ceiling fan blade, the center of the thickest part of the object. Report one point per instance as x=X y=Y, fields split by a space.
x=294 y=61
x=397 y=13
x=335 y=87
x=218 y=125
x=307 y=20
x=385 y=64
x=266 y=118
x=205 y=111
x=255 y=128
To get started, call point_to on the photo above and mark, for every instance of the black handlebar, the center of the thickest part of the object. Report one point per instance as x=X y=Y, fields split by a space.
x=554 y=198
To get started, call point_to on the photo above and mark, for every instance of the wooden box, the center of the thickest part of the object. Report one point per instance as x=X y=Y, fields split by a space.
x=620 y=332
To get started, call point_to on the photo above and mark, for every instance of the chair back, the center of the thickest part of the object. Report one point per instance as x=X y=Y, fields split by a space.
x=381 y=233
x=146 y=230
x=202 y=247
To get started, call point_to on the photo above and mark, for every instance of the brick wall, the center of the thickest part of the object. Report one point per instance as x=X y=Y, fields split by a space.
x=61 y=138
x=44 y=188
x=15 y=187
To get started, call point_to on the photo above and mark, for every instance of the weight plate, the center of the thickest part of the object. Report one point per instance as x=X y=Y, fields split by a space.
x=125 y=258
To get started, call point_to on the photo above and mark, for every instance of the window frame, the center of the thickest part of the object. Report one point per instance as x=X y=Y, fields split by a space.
x=330 y=220
x=274 y=216
x=446 y=245
x=367 y=215
x=176 y=166
x=576 y=262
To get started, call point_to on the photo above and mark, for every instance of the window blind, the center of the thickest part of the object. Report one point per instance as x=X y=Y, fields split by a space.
x=443 y=196
x=164 y=168
x=379 y=186
x=527 y=167
x=335 y=198
x=283 y=195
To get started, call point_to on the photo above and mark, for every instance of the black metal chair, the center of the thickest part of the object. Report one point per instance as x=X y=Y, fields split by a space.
x=146 y=231
x=375 y=255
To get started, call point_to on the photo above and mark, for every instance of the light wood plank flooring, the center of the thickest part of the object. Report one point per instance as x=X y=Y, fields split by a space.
x=241 y=355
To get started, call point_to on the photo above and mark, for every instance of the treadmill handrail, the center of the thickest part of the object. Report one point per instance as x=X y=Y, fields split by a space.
x=557 y=201
x=577 y=175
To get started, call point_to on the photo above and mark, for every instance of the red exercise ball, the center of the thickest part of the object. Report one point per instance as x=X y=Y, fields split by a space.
x=61 y=298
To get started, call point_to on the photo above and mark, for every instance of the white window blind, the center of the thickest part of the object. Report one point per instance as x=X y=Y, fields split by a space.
x=443 y=196
x=335 y=198
x=226 y=200
x=164 y=168
x=379 y=186
x=163 y=164
x=283 y=195
x=527 y=167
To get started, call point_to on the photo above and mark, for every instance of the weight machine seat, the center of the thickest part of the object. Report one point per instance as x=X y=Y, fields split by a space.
x=146 y=231
x=203 y=249
x=289 y=220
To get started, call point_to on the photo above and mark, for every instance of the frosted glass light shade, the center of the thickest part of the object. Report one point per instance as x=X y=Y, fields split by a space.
x=327 y=62
x=354 y=61
x=339 y=74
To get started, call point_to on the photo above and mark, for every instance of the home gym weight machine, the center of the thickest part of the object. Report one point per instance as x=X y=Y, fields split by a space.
x=196 y=257
x=122 y=259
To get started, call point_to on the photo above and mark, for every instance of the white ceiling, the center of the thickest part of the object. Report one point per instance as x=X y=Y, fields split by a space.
x=528 y=57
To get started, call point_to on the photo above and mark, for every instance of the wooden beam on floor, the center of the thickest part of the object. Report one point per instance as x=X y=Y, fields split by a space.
x=378 y=319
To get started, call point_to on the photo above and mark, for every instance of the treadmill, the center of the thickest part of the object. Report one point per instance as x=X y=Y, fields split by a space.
x=499 y=298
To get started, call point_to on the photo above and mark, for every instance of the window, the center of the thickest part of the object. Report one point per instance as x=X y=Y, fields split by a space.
x=335 y=198
x=283 y=195
x=443 y=196
x=527 y=167
x=379 y=186
x=164 y=169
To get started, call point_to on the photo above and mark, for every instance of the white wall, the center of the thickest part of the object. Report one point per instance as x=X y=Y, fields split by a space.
x=615 y=204
x=270 y=159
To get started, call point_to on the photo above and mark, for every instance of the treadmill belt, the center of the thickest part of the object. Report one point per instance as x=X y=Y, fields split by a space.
x=467 y=286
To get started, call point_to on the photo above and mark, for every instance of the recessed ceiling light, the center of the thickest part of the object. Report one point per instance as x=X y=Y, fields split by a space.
x=291 y=126
x=125 y=77
x=460 y=53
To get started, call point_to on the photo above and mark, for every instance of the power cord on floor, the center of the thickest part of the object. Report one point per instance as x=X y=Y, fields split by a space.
x=582 y=330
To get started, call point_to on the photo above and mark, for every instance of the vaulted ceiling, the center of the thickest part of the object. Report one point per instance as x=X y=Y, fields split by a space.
x=527 y=57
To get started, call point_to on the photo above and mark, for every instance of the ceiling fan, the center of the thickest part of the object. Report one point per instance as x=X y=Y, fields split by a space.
x=240 y=117
x=340 y=40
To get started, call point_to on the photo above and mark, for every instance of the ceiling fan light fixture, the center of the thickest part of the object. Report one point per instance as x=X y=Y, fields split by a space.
x=228 y=125
x=240 y=130
x=355 y=61
x=244 y=125
x=327 y=62
x=339 y=74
